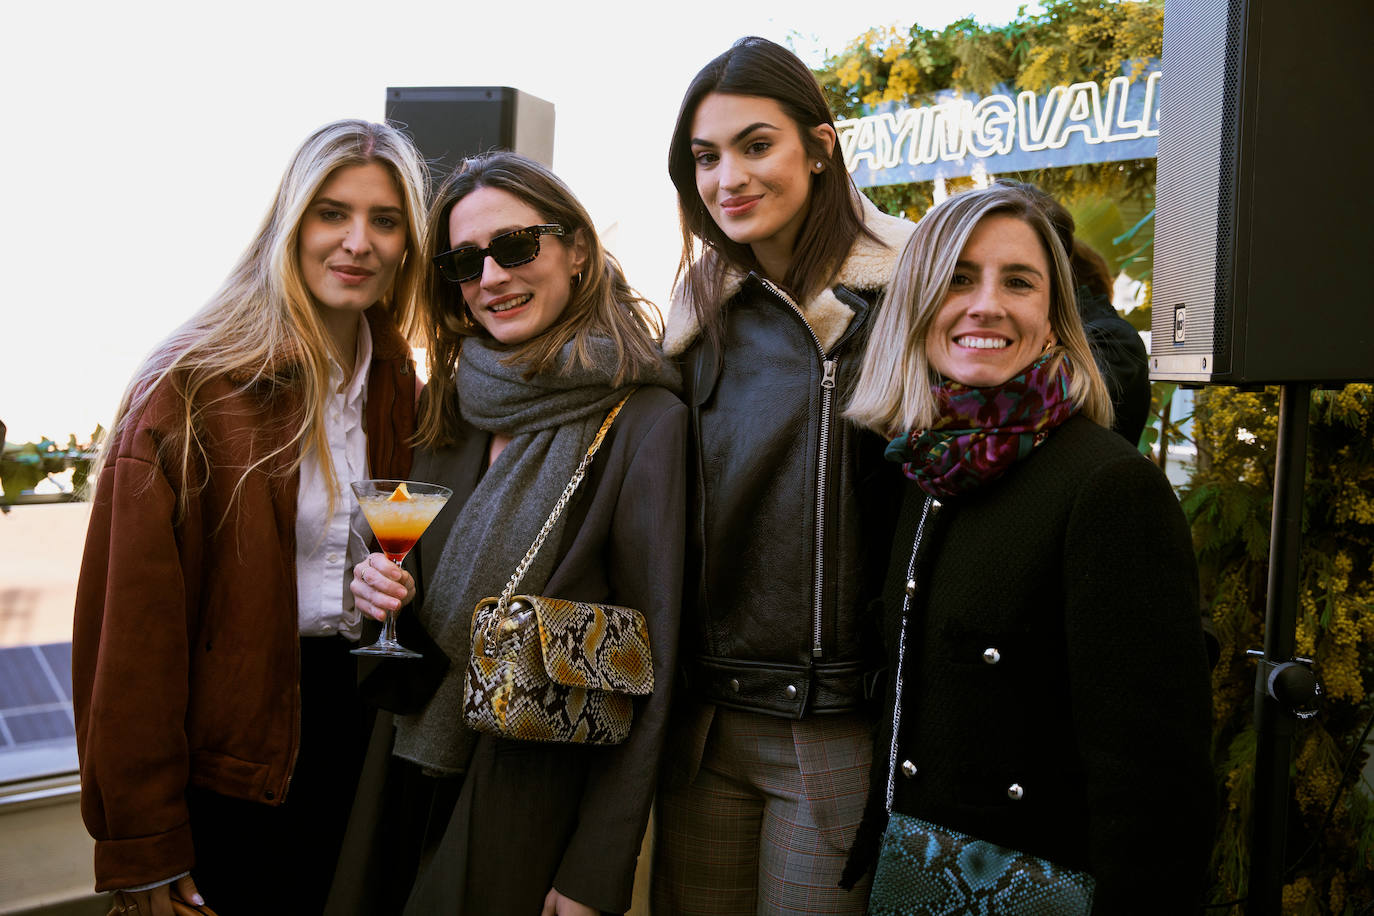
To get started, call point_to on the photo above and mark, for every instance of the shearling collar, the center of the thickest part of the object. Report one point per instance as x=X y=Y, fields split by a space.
x=869 y=265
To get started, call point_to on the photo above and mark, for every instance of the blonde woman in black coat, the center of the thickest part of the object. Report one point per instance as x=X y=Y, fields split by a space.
x=1051 y=691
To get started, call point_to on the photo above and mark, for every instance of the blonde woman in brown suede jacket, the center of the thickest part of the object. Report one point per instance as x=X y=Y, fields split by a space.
x=218 y=725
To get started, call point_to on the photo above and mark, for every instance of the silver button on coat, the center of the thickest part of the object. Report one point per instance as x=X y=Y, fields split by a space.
x=1015 y=792
x=908 y=769
x=791 y=691
x=991 y=655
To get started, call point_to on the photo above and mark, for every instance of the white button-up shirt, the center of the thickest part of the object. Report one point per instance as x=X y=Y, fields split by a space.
x=328 y=546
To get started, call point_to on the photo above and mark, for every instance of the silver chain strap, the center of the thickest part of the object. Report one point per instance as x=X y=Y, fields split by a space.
x=558 y=507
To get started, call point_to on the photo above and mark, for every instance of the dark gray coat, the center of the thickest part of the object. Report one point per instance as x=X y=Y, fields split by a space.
x=531 y=816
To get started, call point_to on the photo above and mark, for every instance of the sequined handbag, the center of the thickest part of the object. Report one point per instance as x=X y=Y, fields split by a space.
x=549 y=669
x=928 y=870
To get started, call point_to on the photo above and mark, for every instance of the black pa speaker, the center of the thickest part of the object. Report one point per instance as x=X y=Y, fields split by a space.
x=1263 y=240
x=450 y=123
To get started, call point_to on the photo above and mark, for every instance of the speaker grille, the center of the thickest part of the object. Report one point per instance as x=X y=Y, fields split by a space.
x=1195 y=163
x=1228 y=170
x=1269 y=268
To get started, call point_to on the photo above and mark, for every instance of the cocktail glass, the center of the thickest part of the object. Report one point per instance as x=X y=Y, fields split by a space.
x=399 y=511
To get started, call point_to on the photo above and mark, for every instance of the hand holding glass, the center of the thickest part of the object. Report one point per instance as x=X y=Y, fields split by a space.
x=399 y=511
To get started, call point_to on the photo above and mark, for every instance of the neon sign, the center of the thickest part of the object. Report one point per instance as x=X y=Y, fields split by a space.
x=1004 y=132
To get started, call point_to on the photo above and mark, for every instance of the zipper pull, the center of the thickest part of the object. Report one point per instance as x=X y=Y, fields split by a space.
x=829 y=380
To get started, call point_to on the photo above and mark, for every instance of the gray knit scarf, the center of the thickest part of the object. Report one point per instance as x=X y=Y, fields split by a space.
x=551 y=419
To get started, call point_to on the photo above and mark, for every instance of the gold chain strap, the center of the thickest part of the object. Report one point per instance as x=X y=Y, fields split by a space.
x=558 y=507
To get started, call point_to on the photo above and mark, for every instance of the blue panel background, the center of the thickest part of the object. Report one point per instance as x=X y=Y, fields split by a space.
x=1076 y=151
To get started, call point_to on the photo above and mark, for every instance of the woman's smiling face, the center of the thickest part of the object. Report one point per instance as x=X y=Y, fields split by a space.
x=514 y=304
x=753 y=171
x=995 y=318
x=352 y=240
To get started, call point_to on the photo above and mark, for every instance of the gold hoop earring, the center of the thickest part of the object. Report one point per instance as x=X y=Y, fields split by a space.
x=577 y=280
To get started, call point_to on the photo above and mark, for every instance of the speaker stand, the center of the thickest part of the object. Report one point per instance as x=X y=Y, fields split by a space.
x=1274 y=724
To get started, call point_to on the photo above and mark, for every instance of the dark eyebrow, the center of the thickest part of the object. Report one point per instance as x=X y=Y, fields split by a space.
x=1021 y=269
x=340 y=205
x=1006 y=268
x=697 y=141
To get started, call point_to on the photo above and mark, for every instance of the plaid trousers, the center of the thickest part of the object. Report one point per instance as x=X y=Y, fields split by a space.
x=764 y=824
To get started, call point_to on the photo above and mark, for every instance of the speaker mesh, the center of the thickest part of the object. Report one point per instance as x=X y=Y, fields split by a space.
x=1229 y=169
x=1195 y=185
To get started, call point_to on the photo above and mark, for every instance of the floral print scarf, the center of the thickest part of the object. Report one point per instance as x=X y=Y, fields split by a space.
x=980 y=432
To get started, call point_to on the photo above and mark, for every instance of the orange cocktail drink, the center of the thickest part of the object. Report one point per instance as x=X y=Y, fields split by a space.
x=398 y=524
x=398 y=511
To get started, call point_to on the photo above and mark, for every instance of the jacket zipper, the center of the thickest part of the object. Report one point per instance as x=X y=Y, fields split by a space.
x=829 y=367
x=931 y=505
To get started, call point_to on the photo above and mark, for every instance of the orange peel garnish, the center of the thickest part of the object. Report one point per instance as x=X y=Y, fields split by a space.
x=400 y=494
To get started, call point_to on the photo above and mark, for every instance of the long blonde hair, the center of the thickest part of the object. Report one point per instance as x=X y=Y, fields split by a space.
x=894 y=388
x=262 y=324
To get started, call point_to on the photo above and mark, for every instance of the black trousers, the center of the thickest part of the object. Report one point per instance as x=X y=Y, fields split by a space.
x=253 y=858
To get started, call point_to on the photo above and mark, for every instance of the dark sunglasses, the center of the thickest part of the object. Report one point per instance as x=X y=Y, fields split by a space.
x=509 y=249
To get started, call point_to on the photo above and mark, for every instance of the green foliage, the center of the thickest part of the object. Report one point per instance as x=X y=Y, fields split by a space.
x=1229 y=502
x=1070 y=41
x=24 y=466
x=1162 y=427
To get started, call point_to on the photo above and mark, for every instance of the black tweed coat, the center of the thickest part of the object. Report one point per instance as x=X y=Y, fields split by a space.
x=1055 y=689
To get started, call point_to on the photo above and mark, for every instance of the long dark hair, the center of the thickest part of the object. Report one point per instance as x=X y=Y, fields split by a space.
x=603 y=304
x=758 y=67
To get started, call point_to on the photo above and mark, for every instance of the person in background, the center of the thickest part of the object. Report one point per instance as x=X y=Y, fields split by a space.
x=218 y=723
x=791 y=506
x=534 y=335
x=1050 y=687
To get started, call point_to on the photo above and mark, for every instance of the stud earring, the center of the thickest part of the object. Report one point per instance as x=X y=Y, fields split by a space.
x=820 y=166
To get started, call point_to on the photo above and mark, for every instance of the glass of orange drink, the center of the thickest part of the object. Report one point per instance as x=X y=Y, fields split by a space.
x=398 y=511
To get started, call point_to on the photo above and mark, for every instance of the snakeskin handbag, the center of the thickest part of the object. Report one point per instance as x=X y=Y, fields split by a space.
x=548 y=669
x=928 y=870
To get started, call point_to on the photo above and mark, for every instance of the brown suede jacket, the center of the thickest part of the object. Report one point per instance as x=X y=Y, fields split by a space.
x=185 y=653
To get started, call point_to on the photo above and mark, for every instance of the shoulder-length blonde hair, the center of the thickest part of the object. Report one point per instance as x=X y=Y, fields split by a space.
x=602 y=304
x=262 y=325
x=893 y=392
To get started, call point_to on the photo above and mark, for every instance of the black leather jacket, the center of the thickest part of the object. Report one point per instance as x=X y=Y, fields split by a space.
x=791 y=513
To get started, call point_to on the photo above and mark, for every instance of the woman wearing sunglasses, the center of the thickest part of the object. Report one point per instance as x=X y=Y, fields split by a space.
x=218 y=719
x=791 y=505
x=534 y=336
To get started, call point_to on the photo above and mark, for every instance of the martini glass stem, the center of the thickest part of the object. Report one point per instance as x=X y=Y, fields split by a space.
x=389 y=623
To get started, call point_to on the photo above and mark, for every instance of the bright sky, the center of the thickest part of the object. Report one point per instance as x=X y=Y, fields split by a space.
x=145 y=140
